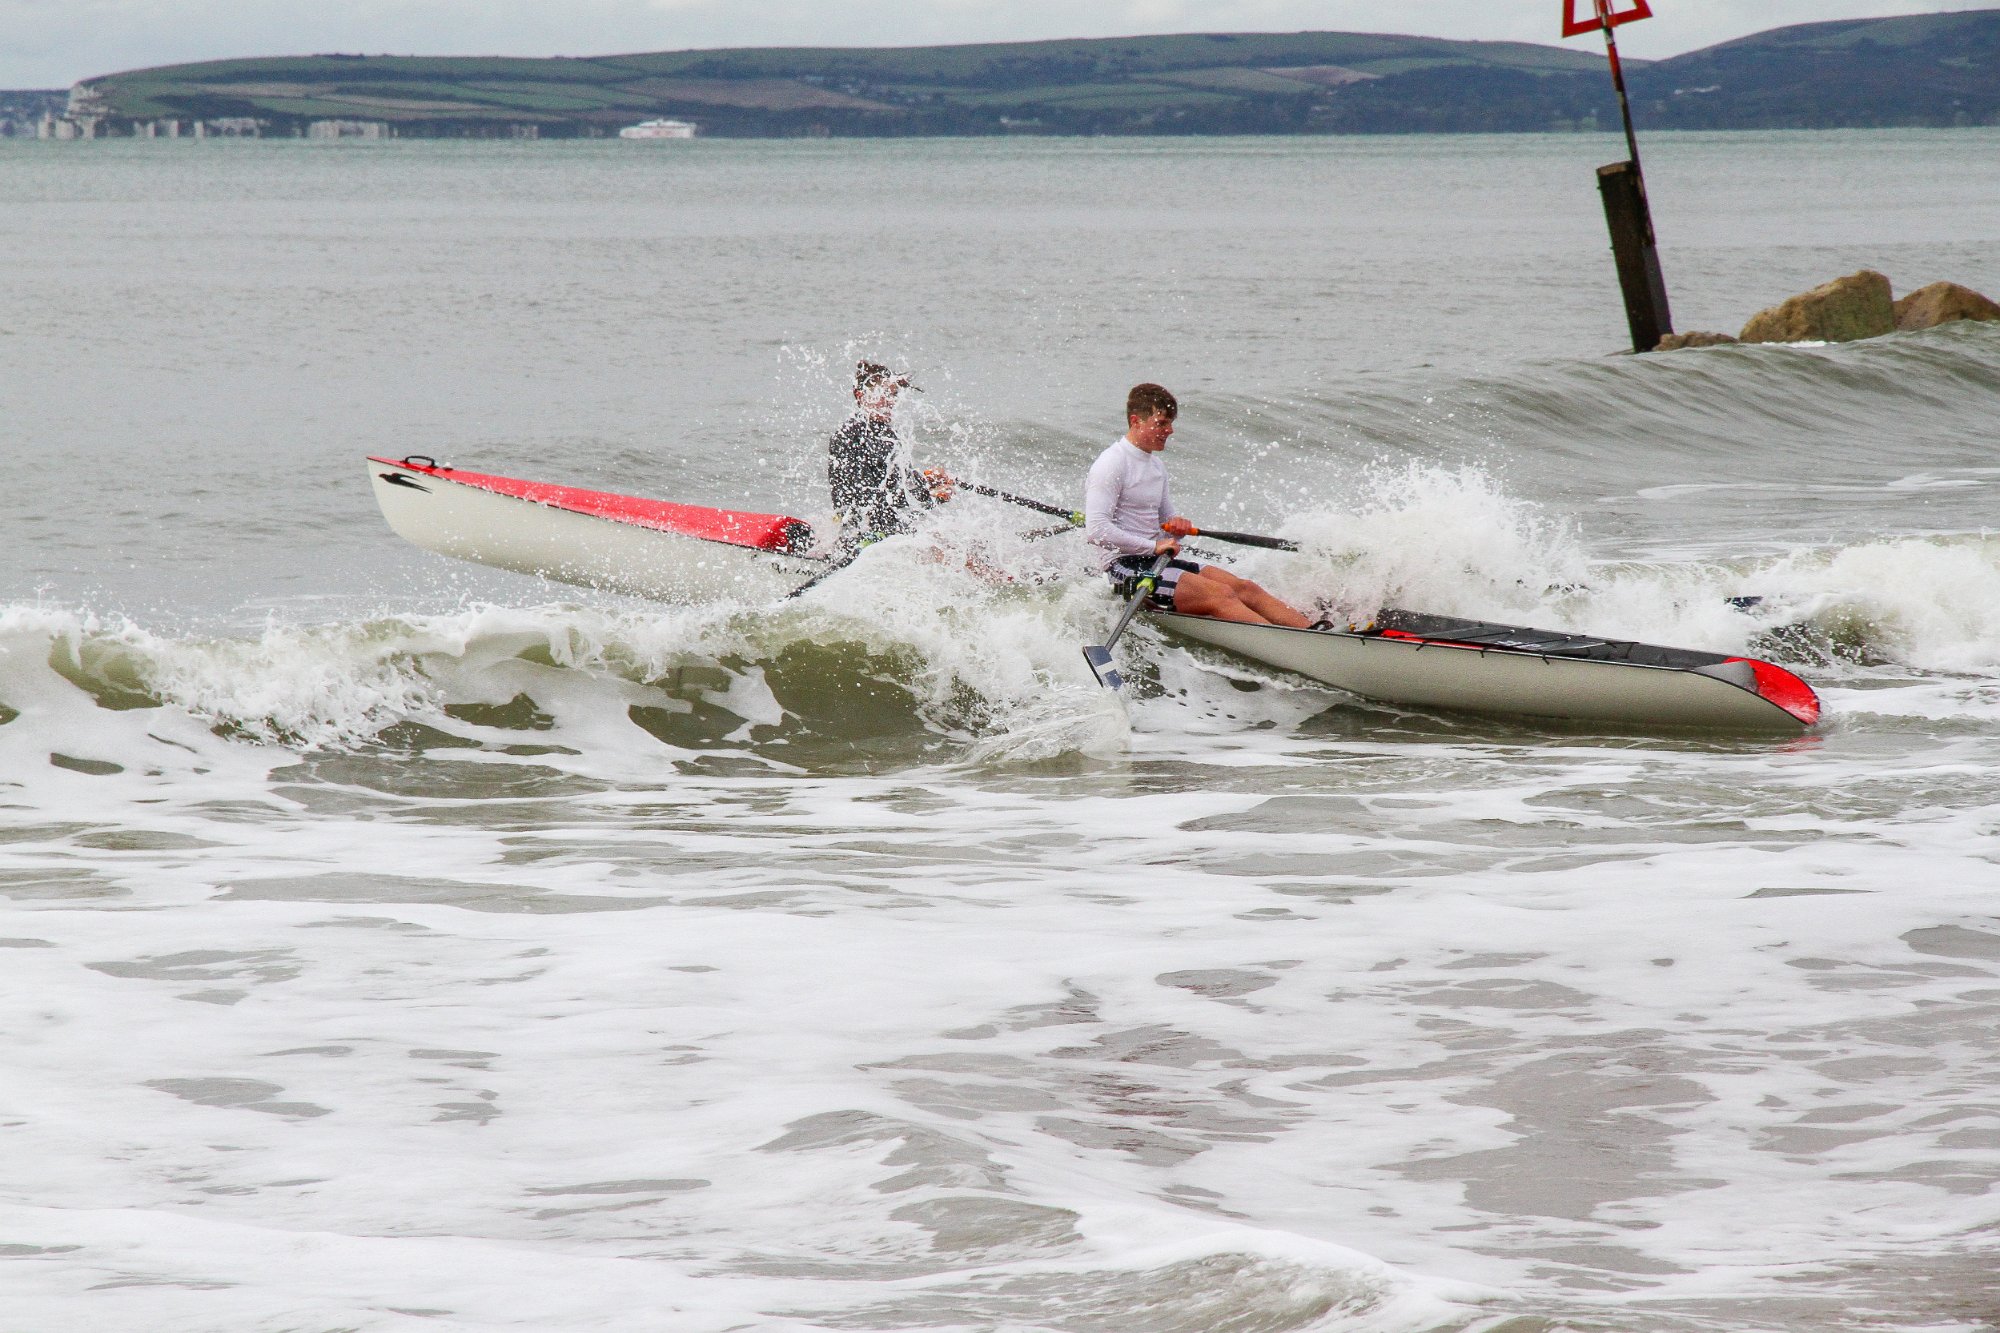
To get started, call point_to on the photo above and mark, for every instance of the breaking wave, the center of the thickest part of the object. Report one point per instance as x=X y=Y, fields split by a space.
x=911 y=660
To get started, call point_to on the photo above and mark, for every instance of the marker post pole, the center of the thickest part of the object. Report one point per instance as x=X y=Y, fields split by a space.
x=1623 y=187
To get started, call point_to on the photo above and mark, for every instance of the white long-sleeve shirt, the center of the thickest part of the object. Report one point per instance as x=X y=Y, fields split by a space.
x=1125 y=501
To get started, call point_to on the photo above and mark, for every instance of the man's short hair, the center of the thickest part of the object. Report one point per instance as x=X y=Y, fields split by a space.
x=869 y=374
x=1148 y=400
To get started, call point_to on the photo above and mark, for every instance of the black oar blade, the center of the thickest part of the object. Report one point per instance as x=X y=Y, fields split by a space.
x=1100 y=667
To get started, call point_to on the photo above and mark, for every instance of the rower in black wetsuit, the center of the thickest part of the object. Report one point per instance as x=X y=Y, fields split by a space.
x=874 y=494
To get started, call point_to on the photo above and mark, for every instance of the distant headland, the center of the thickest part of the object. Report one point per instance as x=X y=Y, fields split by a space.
x=1925 y=70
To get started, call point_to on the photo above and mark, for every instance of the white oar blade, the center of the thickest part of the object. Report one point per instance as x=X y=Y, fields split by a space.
x=1101 y=667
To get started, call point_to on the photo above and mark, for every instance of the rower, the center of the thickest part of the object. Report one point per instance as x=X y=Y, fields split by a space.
x=1126 y=511
x=875 y=495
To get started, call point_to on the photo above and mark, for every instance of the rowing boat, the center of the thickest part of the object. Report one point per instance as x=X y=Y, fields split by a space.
x=691 y=553
x=670 y=552
x=1428 y=661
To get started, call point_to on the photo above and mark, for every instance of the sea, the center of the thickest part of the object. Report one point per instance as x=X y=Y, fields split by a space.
x=394 y=945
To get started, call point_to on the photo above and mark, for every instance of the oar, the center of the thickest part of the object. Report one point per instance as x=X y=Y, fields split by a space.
x=1099 y=655
x=1236 y=538
x=1247 y=539
x=1746 y=602
x=1076 y=519
x=1075 y=516
x=840 y=563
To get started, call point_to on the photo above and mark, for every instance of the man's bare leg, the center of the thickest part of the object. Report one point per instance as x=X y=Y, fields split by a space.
x=1227 y=592
x=1220 y=595
x=1196 y=595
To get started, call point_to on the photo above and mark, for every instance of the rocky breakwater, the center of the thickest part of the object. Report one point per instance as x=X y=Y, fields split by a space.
x=1861 y=305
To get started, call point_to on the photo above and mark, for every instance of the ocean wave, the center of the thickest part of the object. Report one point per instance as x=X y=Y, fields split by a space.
x=908 y=658
x=1568 y=432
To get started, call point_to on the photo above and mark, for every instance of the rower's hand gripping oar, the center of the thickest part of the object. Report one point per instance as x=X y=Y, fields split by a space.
x=1099 y=655
x=1076 y=519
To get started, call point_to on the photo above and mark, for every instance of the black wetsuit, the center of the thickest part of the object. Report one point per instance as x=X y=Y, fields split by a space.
x=872 y=491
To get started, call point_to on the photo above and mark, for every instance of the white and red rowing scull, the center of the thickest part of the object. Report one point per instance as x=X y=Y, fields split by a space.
x=692 y=553
x=651 y=548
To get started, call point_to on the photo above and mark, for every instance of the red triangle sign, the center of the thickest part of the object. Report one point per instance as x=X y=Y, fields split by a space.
x=1604 y=14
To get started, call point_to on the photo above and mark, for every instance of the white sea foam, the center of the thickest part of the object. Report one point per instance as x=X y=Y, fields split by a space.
x=1233 y=1021
x=830 y=1051
x=1448 y=540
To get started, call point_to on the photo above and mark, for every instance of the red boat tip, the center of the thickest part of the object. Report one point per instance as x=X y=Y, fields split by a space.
x=1784 y=689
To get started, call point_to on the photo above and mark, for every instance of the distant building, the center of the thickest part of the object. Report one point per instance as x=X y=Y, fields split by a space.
x=349 y=129
x=660 y=129
x=86 y=111
x=22 y=112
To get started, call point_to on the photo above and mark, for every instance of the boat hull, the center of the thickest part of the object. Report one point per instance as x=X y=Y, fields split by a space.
x=1677 y=689
x=672 y=553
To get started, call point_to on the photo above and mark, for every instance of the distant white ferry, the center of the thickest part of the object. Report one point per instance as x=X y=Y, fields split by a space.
x=659 y=129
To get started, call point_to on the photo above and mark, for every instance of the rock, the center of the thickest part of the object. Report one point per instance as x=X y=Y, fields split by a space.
x=1673 y=342
x=1942 y=303
x=1858 y=306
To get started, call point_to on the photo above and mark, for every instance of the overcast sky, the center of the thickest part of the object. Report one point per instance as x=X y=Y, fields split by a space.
x=54 y=43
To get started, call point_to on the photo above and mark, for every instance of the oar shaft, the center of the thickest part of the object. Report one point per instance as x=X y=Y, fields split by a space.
x=1247 y=539
x=1098 y=655
x=1076 y=519
x=1038 y=506
x=839 y=563
x=1139 y=597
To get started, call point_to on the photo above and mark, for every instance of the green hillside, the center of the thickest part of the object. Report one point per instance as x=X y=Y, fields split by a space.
x=1940 y=69
x=1174 y=84
x=1930 y=69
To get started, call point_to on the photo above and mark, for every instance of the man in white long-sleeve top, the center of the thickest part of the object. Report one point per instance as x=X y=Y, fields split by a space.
x=1130 y=520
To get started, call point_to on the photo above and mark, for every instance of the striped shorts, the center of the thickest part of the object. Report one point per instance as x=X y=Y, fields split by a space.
x=1126 y=571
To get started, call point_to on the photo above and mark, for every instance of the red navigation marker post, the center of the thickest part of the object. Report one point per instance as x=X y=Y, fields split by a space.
x=1623 y=185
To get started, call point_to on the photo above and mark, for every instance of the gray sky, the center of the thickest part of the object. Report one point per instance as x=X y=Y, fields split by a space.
x=53 y=43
